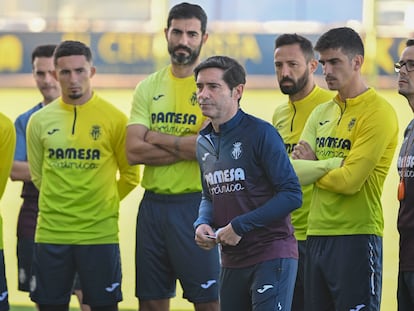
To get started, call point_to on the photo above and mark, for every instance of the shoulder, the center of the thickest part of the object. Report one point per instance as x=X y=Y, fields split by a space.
x=108 y=109
x=26 y=115
x=379 y=105
x=154 y=78
x=44 y=112
x=256 y=125
x=5 y=122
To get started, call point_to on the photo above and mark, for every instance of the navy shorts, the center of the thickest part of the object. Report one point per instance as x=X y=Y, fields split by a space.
x=343 y=272
x=24 y=262
x=54 y=268
x=405 y=291
x=298 y=302
x=25 y=248
x=166 y=250
x=4 y=294
x=267 y=286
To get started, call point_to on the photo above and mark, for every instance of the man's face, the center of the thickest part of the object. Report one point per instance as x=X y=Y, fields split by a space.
x=74 y=73
x=46 y=83
x=338 y=69
x=217 y=101
x=185 y=40
x=292 y=69
x=405 y=77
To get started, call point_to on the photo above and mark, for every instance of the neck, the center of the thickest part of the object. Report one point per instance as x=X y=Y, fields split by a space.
x=302 y=93
x=183 y=71
x=352 y=91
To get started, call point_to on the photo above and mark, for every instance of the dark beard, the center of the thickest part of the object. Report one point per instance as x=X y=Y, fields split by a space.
x=75 y=96
x=296 y=86
x=182 y=59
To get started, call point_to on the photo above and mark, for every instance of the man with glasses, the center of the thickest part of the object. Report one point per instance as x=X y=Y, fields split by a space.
x=405 y=223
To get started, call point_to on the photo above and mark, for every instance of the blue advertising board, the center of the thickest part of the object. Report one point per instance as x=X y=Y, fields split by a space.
x=142 y=53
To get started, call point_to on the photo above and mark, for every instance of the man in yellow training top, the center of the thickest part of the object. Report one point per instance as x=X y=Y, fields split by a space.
x=76 y=148
x=7 y=145
x=295 y=64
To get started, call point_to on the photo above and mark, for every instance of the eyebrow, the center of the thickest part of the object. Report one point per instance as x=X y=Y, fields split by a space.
x=330 y=60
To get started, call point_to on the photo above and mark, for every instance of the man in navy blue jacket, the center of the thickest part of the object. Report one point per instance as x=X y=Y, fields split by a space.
x=249 y=190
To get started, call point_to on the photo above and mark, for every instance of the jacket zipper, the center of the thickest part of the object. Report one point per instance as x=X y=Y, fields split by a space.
x=74 y=120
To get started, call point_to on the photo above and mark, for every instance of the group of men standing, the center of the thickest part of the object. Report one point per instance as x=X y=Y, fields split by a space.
x=285 y=216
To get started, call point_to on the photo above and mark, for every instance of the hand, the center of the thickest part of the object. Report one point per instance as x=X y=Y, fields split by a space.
x=202 y=239
x=227 y=236
x=303 y=151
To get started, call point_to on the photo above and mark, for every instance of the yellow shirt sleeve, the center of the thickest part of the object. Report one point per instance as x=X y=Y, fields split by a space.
x=7 y=146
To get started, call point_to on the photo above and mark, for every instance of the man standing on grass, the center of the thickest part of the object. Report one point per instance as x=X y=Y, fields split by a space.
x=249 y=190
x=7 y=145
x=405 y=291
x=343 y=265
x=76 y=153
x=48 y=86
x=163 y=127
x=295 y=65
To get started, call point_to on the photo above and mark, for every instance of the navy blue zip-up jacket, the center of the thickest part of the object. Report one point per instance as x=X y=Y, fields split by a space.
x=248 y=180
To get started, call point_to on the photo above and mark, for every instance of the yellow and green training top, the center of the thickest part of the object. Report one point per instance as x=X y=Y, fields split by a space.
x=7 y=146
x=167 y=104
x=363 y=131
x=289 y=119
x=75 y=154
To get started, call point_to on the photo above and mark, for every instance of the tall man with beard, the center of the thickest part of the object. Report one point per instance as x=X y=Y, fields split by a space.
x=295 y=64
x=163 y=127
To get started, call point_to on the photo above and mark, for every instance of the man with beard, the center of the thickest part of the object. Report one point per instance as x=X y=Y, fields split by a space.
x=163 y=127
x=295 y=64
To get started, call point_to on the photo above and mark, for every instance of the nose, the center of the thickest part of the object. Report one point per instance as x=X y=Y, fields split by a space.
x=49 y=77
x=284 y=70
x=184 y=39
x=326 y=69
x=202 y=93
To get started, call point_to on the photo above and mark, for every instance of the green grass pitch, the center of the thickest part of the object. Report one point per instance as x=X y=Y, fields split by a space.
x=258 y=102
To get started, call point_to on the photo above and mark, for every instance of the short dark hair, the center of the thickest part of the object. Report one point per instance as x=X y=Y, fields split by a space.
x=292 y=38
x=186 y=11
x=45 y=50
x=233 y=73
x=410 y=42
x=69 y=48
x=343 y=38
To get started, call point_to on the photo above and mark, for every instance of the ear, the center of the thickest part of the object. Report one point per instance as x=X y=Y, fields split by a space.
x=93 y=71
x=358 y=61
x=238 y=91
x=166 y=33
x=313 y=65
x=205 y=37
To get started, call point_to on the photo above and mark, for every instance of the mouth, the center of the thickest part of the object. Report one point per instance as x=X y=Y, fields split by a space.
x=182 y=50
x=286 y=83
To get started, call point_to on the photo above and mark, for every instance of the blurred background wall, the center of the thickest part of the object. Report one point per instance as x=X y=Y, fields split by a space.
x=127 y=39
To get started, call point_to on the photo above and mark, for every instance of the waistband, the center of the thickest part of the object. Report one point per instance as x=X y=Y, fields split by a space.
x=182 y=197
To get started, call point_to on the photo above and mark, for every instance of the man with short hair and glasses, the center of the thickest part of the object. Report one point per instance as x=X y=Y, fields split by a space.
x=405 y=223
